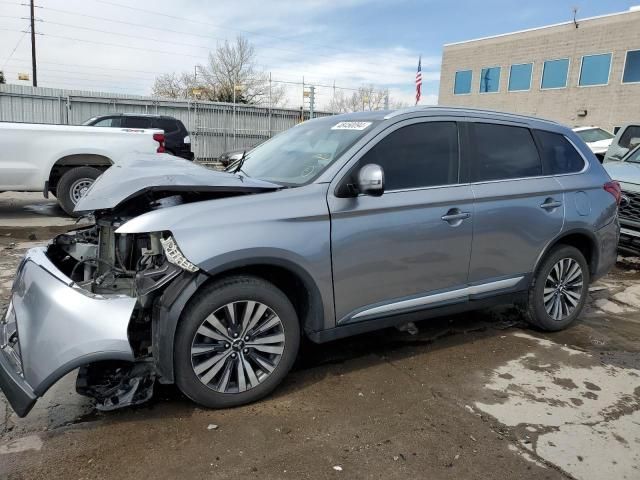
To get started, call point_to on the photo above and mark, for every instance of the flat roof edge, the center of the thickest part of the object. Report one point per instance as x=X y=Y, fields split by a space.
x=533 y=29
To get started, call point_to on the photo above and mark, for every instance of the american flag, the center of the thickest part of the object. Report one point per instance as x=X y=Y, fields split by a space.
x=419 y=80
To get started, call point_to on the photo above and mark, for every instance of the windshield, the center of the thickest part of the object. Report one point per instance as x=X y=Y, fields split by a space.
x=594 y=135
x=298 y=155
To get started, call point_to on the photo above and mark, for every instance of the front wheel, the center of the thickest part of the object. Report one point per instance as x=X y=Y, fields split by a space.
x=235 y=343
x=73 y=185
x=559 y=290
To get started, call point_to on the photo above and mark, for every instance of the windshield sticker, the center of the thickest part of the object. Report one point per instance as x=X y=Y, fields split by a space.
x=351 y=126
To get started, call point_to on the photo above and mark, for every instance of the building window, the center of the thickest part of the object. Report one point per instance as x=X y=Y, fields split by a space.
x=462 y=84
x=520 y=77
x=632 y=67
x=554 y=73
x=490 y=80
x=595 y=70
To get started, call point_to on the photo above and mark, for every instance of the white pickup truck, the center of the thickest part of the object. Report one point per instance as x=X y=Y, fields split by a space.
x=65 y=160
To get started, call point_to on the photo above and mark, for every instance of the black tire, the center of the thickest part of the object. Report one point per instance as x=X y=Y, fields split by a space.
x=535 y=310
x=212 y=298
x=67 y=183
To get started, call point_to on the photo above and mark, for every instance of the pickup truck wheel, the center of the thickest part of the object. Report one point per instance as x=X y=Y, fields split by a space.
x=559 y=290
x=73 y=185
x=235 y=343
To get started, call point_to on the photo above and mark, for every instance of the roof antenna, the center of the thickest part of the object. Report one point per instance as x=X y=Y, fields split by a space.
x=575 y=13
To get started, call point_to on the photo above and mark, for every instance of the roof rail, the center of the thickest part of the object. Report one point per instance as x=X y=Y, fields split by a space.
x=424 y=108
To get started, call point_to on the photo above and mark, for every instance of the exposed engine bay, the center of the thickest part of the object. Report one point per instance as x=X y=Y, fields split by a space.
x=103 y=262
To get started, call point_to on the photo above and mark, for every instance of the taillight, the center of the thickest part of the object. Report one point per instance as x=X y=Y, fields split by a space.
x=614 y=189
x=159 y=137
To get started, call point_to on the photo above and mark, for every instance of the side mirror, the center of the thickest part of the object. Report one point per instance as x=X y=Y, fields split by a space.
x=371 y=180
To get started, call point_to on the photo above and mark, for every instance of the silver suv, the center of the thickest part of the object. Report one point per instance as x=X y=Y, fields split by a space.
x=338 y=226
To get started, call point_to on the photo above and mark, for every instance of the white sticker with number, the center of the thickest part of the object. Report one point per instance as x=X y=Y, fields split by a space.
x=351 y=126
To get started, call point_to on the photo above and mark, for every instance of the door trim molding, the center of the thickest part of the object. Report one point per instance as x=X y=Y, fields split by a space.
x=432 y=299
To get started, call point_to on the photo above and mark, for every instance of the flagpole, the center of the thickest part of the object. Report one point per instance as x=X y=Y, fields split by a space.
x=419 y=80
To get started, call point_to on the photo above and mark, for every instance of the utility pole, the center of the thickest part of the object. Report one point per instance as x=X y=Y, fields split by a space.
x=33 y=46
x=312 y=97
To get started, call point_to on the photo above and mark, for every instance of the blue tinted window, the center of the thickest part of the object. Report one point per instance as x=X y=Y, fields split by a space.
x=490 y=80
x=520 y=77
x=554 y=74
x=632 y=67
x=462 y=83
x=595 y=69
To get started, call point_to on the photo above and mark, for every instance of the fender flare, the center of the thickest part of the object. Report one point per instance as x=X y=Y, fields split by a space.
x=168 y=309
x=593 y=262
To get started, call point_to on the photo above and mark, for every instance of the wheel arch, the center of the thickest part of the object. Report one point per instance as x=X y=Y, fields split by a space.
x=294 y=281
x=582 y=239
x=63 y=164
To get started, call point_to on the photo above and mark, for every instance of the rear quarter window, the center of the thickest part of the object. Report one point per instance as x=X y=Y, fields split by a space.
x=501 y=152
x=169 y=126
x=559 y=156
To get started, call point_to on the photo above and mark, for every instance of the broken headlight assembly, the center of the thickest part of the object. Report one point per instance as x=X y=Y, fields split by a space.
x=174 y=255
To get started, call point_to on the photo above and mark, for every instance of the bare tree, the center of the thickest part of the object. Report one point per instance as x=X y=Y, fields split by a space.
x=365 y=98
x=168 y=85
x=2 y=79
x=233 y=67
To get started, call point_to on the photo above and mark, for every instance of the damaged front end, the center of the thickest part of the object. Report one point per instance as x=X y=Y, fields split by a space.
x=87 y=299
x=111 y=265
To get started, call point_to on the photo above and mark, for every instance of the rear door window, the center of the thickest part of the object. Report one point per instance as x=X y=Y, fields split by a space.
x=501 y=152
x=137 y=122
x=108 y=122
x=559 y=156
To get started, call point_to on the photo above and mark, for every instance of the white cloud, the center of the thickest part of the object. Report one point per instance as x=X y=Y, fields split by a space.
x=280 y=31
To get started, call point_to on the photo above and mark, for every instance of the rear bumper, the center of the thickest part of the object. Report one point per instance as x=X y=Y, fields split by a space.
x=53 y=326
x=607 y=241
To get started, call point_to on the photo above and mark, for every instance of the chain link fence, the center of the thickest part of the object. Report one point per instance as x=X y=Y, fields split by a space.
x=214 y=127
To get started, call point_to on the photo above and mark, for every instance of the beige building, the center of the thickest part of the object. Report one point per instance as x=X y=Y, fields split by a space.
x=583 y=73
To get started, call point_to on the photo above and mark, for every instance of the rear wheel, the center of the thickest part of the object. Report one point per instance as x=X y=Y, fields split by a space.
x=559 y=290
x=235 y=343
x=73 y=185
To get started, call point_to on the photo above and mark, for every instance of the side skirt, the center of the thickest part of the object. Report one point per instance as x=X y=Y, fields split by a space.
x=401 y=318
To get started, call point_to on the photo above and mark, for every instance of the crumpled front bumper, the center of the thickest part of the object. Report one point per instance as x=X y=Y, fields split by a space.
x=53 y=326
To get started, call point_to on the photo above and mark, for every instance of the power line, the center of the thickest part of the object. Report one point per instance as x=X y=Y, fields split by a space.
x=47 y=72
x=14 y=49
x=174 y=17
x=97 y=67
x=181 y=32
x=128 y=47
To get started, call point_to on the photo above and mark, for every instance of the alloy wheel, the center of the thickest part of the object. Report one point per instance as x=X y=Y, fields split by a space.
x=563 y=289
x=238 y=346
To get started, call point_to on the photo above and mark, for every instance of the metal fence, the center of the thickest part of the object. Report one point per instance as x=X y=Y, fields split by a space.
x=214 y=127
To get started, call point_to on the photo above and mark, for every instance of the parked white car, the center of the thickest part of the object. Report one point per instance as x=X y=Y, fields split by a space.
x=65 y=160
x=596 y=138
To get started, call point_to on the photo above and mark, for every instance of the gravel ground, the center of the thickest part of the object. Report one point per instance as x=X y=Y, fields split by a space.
x=477 y=395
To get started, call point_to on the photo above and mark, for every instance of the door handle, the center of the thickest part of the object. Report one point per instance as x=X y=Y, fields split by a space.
x=550 y=204
x=455 y=215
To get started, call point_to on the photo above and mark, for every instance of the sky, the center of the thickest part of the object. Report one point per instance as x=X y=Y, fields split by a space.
x=119 y=46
